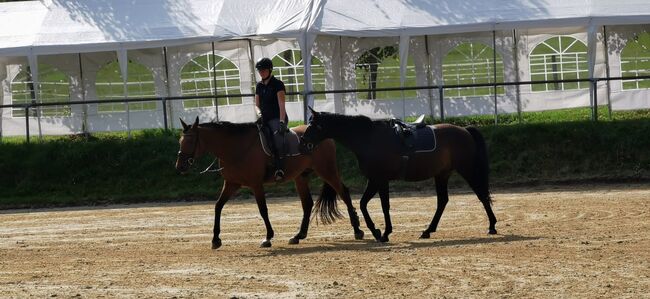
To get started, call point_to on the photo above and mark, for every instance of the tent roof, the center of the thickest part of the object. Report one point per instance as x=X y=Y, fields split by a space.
x=71 y=26
x=362 y=18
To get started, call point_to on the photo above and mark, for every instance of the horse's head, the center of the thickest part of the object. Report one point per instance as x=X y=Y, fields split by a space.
x=190 y=146
x=315 y=132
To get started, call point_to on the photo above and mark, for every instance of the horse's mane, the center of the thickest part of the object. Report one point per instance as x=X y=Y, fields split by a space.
x=233 y=128
x=352 y=124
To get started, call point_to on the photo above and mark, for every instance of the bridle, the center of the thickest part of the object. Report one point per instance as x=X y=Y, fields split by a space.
x=309 y=145
x=189 y=157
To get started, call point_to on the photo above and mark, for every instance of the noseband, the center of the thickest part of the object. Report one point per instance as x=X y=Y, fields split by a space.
x=310 y=144
x=189 y=157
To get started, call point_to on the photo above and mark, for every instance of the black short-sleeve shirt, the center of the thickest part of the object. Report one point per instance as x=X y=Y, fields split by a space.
x=269 y=98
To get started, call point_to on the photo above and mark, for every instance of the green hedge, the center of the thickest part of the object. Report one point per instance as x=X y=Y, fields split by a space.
x=110 y=168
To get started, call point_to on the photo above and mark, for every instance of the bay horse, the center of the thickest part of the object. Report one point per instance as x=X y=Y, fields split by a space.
x=244 y=163
x=380 y=160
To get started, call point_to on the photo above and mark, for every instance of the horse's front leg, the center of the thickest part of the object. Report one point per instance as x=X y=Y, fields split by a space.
x=261 y=205
x=302 y=186
x=371 y=190
x=226 y=192
x=385 y=207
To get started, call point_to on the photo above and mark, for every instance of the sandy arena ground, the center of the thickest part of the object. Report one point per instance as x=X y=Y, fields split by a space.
x=553 y=242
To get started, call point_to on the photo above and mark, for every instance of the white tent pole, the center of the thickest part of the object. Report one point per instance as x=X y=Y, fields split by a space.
x=591 y=50
x=84 y=120
x=214 y=82
x=167 y=104
x=33 y=68
x=123 y=60
x=494 y=71
x=429 y=75
x=306 y=43
x=609 y=87
x=403 y=61
x=251 y=59
x=516 y=64
x=3 y=77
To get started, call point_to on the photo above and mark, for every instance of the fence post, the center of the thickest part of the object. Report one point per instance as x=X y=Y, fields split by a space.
x=164 y=106
x=27 y=122
x=442 y=105
x=594 y=111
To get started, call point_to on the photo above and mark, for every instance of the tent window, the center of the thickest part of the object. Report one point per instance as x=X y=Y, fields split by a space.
x=289 y=67
x=54 y=86
x=380 y=68
x=140 y=84
x=198 y=78
x=471 y=63
x=559 y=58
x=635 y=61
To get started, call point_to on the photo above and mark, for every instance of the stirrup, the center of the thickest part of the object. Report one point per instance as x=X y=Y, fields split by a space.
x=279 y=174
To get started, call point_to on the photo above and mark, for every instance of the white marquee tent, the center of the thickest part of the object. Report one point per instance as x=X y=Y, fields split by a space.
x=79 y=36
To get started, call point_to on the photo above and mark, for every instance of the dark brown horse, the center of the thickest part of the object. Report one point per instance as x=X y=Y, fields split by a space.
x=381 y=160
x=244 y=163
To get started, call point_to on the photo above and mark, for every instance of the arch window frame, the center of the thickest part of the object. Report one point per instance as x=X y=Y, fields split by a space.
x=388 y=75
x=467 y=72
x=114 y=86
x=24 y=89
x=292 y=73
x=571 y=64
x=208 y=72
x=638 y=44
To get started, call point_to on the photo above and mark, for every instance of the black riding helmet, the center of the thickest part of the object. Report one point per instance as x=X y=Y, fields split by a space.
x=264 y=64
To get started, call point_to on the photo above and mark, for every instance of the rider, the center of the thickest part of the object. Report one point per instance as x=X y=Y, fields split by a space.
x=269 y=100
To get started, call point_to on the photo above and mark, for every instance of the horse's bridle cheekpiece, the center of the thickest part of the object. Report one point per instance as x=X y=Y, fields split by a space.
x=189 y=157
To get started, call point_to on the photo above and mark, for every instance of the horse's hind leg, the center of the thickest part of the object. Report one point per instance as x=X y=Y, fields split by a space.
x=344 y=193
x=442 y=193
x=480 y=187
x=371 y=190
x=302 y=186
x=385 y=207
x=331 y=177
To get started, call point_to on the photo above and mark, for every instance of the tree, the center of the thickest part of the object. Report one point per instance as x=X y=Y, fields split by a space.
x=370 y=61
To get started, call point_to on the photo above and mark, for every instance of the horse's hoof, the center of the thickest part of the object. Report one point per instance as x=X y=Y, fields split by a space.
x=492 y=231
x=358 y=235
x=425 y=235
x=265 y=244
x=216 y=244
x=377 y=234
x=292 y=241
x=383 y=239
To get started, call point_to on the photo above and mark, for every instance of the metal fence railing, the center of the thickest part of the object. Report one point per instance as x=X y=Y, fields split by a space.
x=440 y=88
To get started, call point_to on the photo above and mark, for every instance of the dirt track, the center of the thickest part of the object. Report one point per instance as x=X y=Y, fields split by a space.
x=585 y=242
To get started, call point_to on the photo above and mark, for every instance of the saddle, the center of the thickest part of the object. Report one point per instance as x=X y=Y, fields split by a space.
x=291 y=142
x=412 y=138
x=407 y=133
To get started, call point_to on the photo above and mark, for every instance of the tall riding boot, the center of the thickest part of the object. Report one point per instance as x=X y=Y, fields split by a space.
x=279 y=158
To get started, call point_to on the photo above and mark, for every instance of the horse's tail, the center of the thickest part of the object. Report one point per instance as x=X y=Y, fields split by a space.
x=482 y=166
x=326 y=207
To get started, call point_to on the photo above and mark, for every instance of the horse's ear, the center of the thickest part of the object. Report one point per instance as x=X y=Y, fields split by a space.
x=184 y=124
x=196 y=122
x=313 y=112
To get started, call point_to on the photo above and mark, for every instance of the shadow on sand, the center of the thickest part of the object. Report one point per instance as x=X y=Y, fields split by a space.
x=372 y=245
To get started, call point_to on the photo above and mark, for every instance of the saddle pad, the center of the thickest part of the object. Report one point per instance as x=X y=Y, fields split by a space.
x=291 y=144
x=425 y=139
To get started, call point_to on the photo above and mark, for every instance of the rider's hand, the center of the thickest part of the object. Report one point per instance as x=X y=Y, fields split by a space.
x=283 y=128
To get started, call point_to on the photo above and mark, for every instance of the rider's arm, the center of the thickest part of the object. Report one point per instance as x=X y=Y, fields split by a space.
x=281 y=100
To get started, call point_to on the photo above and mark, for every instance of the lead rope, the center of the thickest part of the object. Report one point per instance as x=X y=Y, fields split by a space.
x=210 y=168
